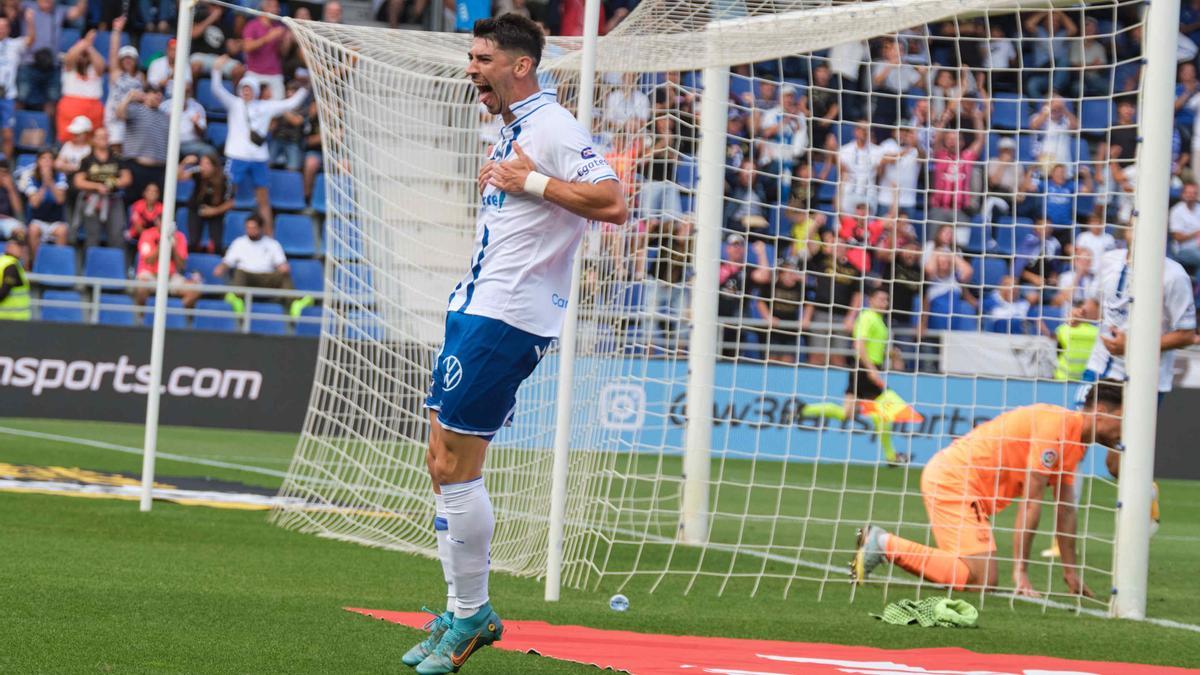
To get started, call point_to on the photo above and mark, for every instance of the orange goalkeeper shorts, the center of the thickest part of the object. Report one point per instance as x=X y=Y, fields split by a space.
x=959 y=523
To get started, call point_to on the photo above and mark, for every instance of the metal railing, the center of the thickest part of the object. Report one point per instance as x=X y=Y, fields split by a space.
x=93 y=289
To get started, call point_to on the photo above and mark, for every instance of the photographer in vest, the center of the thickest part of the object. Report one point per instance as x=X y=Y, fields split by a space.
x=14 y=286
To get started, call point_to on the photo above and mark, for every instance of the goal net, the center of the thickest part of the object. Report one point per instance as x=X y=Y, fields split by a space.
x=975 y=159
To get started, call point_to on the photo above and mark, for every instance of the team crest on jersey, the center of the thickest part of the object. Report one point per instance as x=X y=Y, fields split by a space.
x=1049 y=458
x=452 y=373
x=587 y=153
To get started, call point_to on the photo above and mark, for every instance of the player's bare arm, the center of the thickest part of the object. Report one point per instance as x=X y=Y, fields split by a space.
x=603 y=201
x=1176 y=339
x=1029 y=512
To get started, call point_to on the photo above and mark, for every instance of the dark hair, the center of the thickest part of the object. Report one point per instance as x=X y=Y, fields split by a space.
x=514 y=33
x=1108 y=392
x=255 y=218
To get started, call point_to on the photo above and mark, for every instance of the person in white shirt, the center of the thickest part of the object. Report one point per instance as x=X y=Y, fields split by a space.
x=540 y=185
x=1095 y=238
x=162 y=69
x=1058 y=125
x=1008 y=309
x=246 y=141
x=78 y=146
x=195 y=122
x=255 y=260
x=12 y=49
x=1183 y=222
x=901 y=171
x=626 y=104
x=1077 y=284
x=859 y=162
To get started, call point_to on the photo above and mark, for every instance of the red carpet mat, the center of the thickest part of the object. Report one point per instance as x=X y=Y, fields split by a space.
x=640 y=654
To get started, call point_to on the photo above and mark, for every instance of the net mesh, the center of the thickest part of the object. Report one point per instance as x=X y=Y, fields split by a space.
x=965 y=156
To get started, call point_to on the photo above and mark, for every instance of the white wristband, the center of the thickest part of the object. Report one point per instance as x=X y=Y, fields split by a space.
x=535 y=184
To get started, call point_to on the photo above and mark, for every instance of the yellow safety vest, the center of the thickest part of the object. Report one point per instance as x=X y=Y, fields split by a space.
x=14 y=307
x=1075 y=345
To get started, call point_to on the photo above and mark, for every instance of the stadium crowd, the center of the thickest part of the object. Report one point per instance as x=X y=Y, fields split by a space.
x=977 y=169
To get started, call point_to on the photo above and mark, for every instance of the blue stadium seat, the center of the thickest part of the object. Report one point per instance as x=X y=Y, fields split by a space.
x=24 y=160
x=1096 y=116
x=224 y=323
x=55 y=259
x=176 y=318
x=69 y=311
x=963 y=316
x=102 y=38
x=308 y=275
x=101 y=262
x=243 y=197
x=685 y=173
x=181 y=221
x=1006 y=111
x=295 y=234
x=26 y=132
x=318 y=195
x=216 y=132
x=152 y=46
x=235 y=226
x=354 y=280
x=184 y=190
x=117 y=309
x=204 y=264
x=212 y=105
x=286 y=190
x=67 y=38
x=310 y=329
x=978 y=241
x=267 y=318
x=994 y=269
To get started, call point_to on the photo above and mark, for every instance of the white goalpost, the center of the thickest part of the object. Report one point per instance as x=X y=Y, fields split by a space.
x=690 y=431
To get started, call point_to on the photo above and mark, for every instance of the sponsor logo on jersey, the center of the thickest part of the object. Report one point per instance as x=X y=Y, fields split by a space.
x=1049 y=457
x=451 y=373
x=587 y=168
x=587 y=153
x=558 y=301
x=495 y=200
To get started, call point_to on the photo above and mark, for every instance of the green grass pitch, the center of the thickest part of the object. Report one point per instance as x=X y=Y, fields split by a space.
x=94 y=585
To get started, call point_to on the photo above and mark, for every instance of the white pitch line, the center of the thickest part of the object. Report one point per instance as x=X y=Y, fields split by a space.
x=835 y=569
x=138 y=451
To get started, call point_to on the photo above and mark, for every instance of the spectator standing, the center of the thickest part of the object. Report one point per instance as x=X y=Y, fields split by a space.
x=1183 y=222
x=264 y=42
x=626 y=104
x=78 y=146
x=1009 y=185
x=836 y=292
x=845 y=62
x=1037 y=262
x=161 y=70
x=1077 y=284
x=805 y=232
x=905 y=277
x=731 y=299
x=158 y=15
x=1061 y=192
x=313 y=157
x=99 y=206
x=212 y=198
x=1008 y=308
x=195 y=122
x=45 y=190
x=123 y=78
x=825 y=104
x=666 y=286
x=82 y=85
x=39 y=82
x=147 y=127
x=902 y=162
x=245 y=144
x=1002 y=61
x=209 y=41
x=1058 y=126
x=891 y=78
x=287 y=135
x=946 y=272
x=950 y=199
x=781 y=304
x=331 y=12
x=256 y=260
x=1123 y=137
x=1047 y=36
x=1089 y=60
x=14 y=286
x=148 y=248
x=12 y=50
x=1095 y=238
x=859 y=162
x=659 y=199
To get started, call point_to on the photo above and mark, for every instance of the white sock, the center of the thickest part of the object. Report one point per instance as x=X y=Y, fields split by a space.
x=441 y=529
x=469 y=514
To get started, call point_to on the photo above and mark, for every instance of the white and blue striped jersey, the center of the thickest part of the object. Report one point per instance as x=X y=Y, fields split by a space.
x=525 y=246
x=1112 y=292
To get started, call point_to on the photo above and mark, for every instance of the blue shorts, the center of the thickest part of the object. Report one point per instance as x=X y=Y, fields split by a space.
x=8 y=113
x=482 y=363
x=254 y=174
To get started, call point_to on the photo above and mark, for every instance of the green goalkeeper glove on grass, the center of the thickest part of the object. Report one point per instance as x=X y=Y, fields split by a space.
x=931 y=612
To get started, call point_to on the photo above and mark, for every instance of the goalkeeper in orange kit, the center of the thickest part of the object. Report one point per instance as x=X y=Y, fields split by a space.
x=1015 y=456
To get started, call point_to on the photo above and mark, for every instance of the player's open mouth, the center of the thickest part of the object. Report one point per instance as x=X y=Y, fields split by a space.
x=486 y=94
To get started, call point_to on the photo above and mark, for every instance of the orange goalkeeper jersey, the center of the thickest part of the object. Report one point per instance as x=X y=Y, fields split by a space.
x=991 y=463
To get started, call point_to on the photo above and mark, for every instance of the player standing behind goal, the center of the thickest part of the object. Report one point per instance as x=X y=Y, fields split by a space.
x=1015 y=456
x=541 y=183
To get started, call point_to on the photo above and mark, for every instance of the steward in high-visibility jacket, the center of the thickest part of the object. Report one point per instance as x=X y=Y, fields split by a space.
x=14 y=286
x=1075 y=340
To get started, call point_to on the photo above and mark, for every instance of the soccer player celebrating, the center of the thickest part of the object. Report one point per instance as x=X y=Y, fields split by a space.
x=1015 y=456
x=542 y=181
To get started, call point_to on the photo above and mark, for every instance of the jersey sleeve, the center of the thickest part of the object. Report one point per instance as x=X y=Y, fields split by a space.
x=1049 y=451
x=575 y=160
x=1179 y=305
